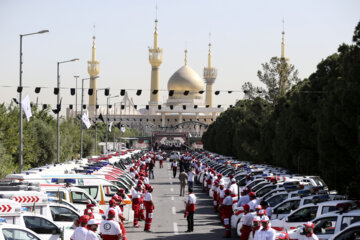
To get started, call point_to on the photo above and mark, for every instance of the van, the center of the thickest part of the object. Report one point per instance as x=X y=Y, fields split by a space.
x=28 y=217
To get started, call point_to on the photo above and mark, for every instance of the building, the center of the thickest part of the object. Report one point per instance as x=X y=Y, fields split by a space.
x=189 y=107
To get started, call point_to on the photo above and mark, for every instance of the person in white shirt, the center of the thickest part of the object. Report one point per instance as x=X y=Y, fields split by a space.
x=174 y=165
x=112 y=206
x=234 y=190
x=244 y=199
x=253 y=201
x=266 y=232
x=110 y=229
x=190 y=179
x=227 y=210
x=81 y=231
x=247 y=223
x=255 y=227
x=93 y=226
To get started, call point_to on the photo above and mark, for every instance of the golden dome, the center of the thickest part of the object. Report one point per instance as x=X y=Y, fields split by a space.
x=186 y=79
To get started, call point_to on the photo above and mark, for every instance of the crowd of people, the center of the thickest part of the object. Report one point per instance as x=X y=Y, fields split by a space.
x=256 y=219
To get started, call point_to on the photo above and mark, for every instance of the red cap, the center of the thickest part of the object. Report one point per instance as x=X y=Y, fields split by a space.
x=252 y=194
x=309 y=224
x=227 y=191
x=112 y=211
x=84 y=219
x=258 y=207
x=111 y=202
x=90 y=205
x=283 y=235
x=121 y=190
x=246 y=207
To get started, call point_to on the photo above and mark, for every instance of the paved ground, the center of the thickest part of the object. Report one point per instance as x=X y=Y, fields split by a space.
x=168 y=220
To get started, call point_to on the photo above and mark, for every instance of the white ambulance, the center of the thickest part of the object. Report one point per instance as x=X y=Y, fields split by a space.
x=14 y=213
x=16 y=232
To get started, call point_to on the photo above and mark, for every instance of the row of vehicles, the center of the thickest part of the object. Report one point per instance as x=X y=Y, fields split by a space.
x=43 y=202
x=291 y=199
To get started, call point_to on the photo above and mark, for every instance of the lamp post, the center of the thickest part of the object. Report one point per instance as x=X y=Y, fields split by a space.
x=20 y=97
x=81 y=123
x=114 y=127
x=120 y=128
x=58 y=102
x=107 y=118
x=96 y=103
x=76 y=78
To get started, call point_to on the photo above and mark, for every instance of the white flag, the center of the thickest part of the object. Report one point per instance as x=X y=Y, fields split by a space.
x=110 y=126
x=25 y=104
x=123 y=129
x=85 y=120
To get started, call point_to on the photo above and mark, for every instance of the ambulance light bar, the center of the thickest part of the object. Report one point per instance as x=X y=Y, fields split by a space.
x=2 y=220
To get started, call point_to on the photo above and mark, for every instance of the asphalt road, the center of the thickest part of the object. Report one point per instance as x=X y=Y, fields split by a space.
x=168 y=219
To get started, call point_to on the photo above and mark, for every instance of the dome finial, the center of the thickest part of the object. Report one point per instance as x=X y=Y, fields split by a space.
x=185 y=56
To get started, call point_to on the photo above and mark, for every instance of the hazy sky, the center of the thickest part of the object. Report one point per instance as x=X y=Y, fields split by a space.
x=244 y=35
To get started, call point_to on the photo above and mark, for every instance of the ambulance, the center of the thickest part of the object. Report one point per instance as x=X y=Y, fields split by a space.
x=77 y=196
x=11 y=231
x=31 y=218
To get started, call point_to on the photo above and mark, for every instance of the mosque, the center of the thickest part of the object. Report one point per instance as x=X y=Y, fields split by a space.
x=185 y=110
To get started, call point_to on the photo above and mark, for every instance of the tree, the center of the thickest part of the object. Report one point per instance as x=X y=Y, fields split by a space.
x=278 y=76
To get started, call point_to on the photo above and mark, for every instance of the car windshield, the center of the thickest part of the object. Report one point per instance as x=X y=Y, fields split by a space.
x=277 y=199
x=319 y=182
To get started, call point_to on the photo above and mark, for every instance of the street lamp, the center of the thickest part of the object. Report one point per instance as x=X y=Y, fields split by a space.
x=107 y=118
x=76 y=78
x=81 y=123
x=58 y=102
x=20 y=97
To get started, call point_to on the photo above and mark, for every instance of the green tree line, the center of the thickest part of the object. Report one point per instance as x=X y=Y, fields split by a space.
x=312 y=128
x=39 y=138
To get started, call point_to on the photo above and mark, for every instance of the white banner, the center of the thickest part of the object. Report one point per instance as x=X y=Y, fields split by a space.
x=25 y=104
x=110 y=126
x=123 y=129
x=85 y=120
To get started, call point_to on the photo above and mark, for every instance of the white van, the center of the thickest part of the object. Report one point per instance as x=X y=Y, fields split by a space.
x=11 y=231
x=43 y=226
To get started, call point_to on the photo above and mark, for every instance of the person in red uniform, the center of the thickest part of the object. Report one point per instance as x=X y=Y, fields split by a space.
x=215 y=196
x=247 y=222
x=227 y=211
x=89 y=210
x=190 y=210
x=110 y=229
x=135 y=197
x=81 y=231
x=149 y=207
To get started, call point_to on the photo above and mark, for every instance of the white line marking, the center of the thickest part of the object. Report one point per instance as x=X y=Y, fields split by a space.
x=172 y=198
x=173 y=210
x=171 y=189
x=176 y=230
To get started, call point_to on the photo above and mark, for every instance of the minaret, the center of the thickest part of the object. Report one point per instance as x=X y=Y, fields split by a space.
x=210 y=74
x=283 y=43
x=93 y=70
x=155 y=59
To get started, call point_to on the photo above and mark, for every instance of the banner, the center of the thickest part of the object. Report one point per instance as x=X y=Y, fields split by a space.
x=25 y=104
x=141 y=144
x=85 y=120
x=110 y=126
x=123 y=129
